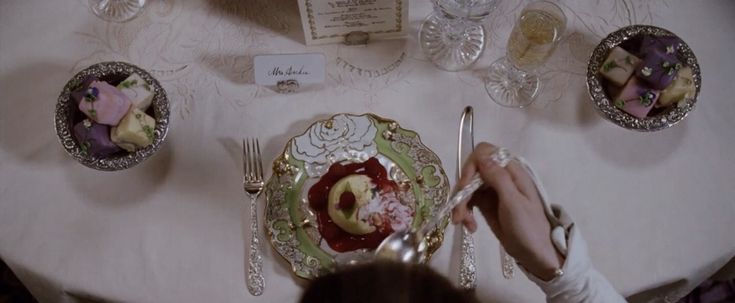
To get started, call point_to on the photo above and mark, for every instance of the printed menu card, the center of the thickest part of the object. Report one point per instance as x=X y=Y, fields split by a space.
x=329 y=21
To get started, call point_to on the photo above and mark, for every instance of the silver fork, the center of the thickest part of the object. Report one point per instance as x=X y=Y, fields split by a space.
x=253 y=184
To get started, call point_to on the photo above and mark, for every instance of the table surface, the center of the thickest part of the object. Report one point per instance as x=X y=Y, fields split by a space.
x=655 y=207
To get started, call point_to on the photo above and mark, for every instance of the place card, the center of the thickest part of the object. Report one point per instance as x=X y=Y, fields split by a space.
x=326 y=21
x=298 y=69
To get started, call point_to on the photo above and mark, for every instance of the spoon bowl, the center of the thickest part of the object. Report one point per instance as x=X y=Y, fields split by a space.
x=406 y=246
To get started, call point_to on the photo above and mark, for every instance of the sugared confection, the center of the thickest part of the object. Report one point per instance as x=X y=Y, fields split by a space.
x=667 y=44
x=81 y=91
x=619 y=66
x=658 y=69
x=636 y=98
x=682 y=87
x=644 y=72
x=104 y=104
x=139 y=91
x=94 y=138
x=134 y=131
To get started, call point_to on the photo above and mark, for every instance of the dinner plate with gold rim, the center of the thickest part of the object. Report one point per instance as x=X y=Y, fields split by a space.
x=291 y=222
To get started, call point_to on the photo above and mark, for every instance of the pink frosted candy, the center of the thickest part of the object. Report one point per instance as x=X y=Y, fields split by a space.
x=636 y=98
x=104 y=104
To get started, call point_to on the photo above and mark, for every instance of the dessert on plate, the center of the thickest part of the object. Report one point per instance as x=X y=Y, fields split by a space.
x=357 y=206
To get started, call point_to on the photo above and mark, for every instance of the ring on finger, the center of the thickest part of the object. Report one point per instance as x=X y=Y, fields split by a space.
x=501 y=156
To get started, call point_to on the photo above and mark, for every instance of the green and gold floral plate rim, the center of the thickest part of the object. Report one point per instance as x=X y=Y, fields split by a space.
x=289 y=221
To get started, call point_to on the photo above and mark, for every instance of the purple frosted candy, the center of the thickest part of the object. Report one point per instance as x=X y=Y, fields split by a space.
x=94 y=139
x=79 y=94
x=104 y=104
x=669 y=45
x=636 y=99
x=658 y=69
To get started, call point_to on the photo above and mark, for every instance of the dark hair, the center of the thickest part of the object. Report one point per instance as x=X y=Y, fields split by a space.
x=384 y=282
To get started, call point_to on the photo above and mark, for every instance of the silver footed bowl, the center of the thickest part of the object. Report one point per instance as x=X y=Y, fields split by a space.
x=67 y=114
x=667 y=117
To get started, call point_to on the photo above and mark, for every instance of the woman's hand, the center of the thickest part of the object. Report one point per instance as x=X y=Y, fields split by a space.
x=512 y=207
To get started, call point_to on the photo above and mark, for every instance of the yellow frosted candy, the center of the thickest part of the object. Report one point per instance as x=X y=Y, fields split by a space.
x=681 y=88
x=135 y=130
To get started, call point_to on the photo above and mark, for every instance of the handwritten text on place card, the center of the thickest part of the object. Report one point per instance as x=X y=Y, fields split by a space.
x=304 y=68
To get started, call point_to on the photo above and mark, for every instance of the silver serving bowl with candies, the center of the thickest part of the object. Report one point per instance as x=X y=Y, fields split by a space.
x=643 y=78
x=112 y=116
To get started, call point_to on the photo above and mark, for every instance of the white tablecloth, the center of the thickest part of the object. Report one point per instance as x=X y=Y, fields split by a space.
x=655 y=208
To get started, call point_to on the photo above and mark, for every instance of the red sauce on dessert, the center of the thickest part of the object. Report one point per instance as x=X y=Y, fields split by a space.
x=337 y=238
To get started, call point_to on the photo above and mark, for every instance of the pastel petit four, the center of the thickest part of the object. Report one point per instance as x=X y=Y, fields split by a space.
x=636 y=98
x=94 y=138
x=104 y=104
x=658 y=69
x=619 y=66
x=138 y=91
x=682 y=88
x=134 y=131
x=667 y=44
x=81 y=91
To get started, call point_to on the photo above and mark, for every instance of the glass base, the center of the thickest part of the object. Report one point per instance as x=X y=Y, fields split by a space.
x=451 y=47
x=509 y=86
x=117 y=10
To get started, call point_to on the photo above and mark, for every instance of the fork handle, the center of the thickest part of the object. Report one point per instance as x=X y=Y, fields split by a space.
x=467 y=268
x=256 y=282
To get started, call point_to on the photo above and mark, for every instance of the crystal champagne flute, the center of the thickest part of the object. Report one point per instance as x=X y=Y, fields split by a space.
x=117 y=10
x=512 y=80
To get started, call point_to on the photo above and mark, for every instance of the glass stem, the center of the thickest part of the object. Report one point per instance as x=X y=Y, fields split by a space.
x=516 y=75
x=453 y=30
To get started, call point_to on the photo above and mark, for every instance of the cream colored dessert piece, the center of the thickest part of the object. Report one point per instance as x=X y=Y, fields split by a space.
x=135 y=131
x=619 y=66
x=138 y=91
x=360 y=186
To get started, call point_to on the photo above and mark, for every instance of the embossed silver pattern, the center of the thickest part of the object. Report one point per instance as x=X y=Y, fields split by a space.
x=605 y=106
x=256 y=281
x=502 y=157
x=467 y=263
x=508 y=264
x=253 y=184
x=65 y=110
x=465 y=146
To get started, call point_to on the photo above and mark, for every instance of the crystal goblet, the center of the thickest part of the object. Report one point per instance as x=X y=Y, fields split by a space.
x=117 y=10
x=452 y=36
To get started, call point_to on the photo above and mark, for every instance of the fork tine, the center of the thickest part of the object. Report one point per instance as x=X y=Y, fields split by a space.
x=251 y=166
x=250 y=159
x=244 y=159
x=259 y=159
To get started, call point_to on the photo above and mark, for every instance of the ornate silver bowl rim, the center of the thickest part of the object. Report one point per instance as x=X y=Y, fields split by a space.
x=605 y=106
x=66 y=107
